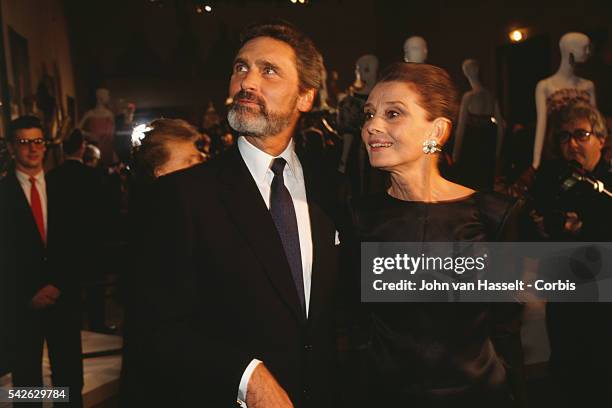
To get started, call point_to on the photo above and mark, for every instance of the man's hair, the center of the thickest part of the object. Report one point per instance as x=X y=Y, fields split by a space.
x=438 y=95
x=23 y=122
x=579 y=110
x=73 y=142
x=91 y=152
x=309 y=62
x=573 y=112
x=153 y=152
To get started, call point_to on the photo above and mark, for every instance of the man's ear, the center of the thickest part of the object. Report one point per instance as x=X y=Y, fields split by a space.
x=306 y=99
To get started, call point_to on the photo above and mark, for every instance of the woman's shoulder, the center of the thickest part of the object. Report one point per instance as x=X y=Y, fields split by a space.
x=368 y=201
x=362 y=208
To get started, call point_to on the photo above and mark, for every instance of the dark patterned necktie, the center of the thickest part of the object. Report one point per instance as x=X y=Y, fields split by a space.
x=283 y=214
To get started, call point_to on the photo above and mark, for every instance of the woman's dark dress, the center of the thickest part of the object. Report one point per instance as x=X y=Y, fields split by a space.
x=435 y=354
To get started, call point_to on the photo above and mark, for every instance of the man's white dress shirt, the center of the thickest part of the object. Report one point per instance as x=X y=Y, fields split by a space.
x=259 y=164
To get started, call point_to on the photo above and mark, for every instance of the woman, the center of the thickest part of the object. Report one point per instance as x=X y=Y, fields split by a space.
x=427 y=354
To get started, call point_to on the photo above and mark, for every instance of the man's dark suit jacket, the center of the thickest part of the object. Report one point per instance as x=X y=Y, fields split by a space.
x=215 y=291
x=27 y=264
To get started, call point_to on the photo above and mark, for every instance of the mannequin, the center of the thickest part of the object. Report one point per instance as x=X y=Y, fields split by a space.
x=557 y=90
x=415 y=50
x=210 y=118
x=479 y=130
x=350 y=113
x=366 y=72
x=124 y=125
x=98 y=125
x=323 y=93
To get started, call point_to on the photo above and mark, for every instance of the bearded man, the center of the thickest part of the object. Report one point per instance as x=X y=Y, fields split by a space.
x=239 y=259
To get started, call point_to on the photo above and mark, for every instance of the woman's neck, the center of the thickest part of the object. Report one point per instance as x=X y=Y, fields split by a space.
x=423 y=182
x=419 y=182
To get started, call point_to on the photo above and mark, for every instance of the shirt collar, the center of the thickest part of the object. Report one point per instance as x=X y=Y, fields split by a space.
x=259 y=162
x=25 y=178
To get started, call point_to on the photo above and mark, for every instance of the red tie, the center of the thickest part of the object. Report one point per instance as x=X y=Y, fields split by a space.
x=37 y=209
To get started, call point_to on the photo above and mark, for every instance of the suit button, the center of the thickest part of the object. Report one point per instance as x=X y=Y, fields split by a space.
x=308 y=347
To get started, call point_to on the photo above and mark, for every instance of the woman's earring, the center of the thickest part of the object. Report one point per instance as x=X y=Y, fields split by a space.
x=431 y=146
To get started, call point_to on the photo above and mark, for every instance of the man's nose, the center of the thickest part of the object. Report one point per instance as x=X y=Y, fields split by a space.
x=573 y=143
x=250 y=81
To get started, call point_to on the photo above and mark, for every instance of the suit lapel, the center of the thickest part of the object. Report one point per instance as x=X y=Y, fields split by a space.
x=320 y=274
x=247 y=209
x=23 y=210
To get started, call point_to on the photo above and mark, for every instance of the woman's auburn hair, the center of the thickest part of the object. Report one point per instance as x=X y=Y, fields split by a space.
x=438 y=95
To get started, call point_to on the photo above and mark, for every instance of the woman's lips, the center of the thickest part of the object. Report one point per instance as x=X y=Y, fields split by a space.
x=377 y=145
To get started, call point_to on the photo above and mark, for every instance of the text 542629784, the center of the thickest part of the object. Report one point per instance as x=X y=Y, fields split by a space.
x=34 y=394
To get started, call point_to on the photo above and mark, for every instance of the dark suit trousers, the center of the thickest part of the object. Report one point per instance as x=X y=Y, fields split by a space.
x=59 y=325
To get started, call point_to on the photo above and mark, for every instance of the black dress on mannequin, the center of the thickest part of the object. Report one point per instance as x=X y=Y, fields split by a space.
x=476 y=167
x=435 y=354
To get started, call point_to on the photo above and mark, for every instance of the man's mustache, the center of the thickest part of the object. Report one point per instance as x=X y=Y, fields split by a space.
x=249 y=96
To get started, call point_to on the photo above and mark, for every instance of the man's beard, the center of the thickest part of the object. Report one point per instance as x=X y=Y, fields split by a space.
x=257 y=122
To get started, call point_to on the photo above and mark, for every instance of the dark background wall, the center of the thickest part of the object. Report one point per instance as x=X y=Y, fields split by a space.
x=172 y=56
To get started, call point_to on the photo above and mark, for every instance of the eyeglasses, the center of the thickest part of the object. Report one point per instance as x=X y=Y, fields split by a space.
x=579 y=135
x=36 y=142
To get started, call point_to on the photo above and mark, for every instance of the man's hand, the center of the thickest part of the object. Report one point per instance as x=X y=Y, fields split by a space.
x=572 y=223
x=45 y=297
x=265 y=392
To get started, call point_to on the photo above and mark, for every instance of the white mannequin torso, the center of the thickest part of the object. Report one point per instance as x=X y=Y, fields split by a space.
x=564 y=83
x=98 y=125
x=477 y=101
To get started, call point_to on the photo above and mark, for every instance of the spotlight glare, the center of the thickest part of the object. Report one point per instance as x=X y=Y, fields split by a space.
x=207 y=8
x=301 y=1
x=293 y=1
x=517 y=35
x=139 y=133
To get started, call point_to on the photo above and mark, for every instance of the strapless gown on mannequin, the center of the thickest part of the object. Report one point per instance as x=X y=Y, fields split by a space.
x=101 y=132
x=435 y=354
x=562 y=97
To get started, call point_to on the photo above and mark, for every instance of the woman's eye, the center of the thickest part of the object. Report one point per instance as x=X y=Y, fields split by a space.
x=392 y=114
x=368 y=115
x=240 y=68
x=269 y=71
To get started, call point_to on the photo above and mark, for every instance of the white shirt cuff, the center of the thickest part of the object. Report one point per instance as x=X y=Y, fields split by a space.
x=244 y=382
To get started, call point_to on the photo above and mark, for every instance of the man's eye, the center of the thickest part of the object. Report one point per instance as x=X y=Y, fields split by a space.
x=269 y=71
x=240 y=68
